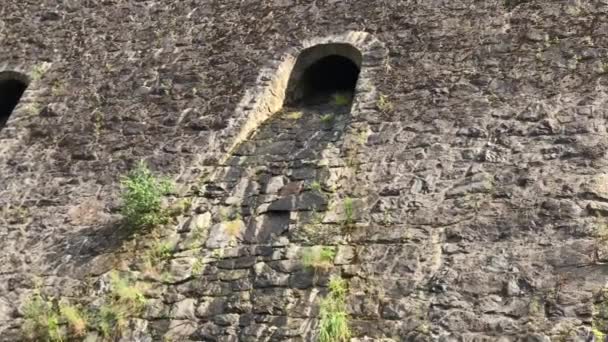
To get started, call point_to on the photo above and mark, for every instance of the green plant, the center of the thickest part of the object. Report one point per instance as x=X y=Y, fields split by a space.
x=535 y=307
x=316 y=217
x=327 y=118
x=233 y=228
x=599 y=314
x=338 y=287
x=42 y=321
x=125 y=293
x=142 y=195
x=333 y=326
x=33 y=108
x=316 y=186
x=229 y=213
x=180 y=207
x=293 y=115
x=386 y=218
x=109 y=320
x=160 y=251
x=312 y=229
x=44 y=317
x=198 y=267
x=362 y=137
x=340 y=99
x=125 y=300
x=15 y=214
x=424 y=329
x=349 y=211
x=218 y=253
x=166 y=277
x=39 y=70
x=384 y=104
x=58 y=88
x=196 y=240
x=599 y=336
x=74 y=318
x=318 y=257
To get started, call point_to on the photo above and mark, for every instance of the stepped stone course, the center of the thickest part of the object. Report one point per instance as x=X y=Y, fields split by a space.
x=463 y=191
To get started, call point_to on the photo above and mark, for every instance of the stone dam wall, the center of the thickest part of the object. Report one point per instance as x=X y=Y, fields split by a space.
x=462 y=190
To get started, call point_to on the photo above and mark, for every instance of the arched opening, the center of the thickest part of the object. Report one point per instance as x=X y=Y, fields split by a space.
x=12 y=87
x=322 y=73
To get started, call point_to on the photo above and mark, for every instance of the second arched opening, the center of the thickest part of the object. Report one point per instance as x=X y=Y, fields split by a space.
x=12 y=87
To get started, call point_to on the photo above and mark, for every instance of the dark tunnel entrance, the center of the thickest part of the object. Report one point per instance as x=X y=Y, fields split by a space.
x=330 y=75
x=323 y=73
x=11 y=90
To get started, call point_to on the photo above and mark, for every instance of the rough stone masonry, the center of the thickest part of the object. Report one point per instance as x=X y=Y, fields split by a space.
x=473 y=161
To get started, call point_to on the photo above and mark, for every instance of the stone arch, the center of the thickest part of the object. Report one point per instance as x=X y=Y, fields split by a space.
x=323 y=69
x=12 y=87
x=268 y=94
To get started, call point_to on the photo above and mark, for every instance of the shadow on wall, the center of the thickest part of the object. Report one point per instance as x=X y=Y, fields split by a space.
x=277 y=184
x=310 y=120
x=287 y=149
x=76 y=252
x=12 y=87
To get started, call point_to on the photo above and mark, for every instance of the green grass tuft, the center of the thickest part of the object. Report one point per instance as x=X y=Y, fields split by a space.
x=316 y=186
x=42 y=321
x=160 y=251
x=45 y=317
x=126 y=293
x=333 y=326
x=198 y=267
x=599 y=336
x=56 y=320
x=293 y=115
x=318 y=257
x=125 y=300
x=384 y=104
x=349 y=211
x=74 y=318
x=338 y=287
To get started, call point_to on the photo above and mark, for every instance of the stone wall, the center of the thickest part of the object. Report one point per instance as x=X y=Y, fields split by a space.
x=472 y=162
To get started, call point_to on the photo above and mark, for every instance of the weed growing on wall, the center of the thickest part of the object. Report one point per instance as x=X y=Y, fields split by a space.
x=124 y=301
x=41 y=319
x=56 y=320
x=349 y=211
x=318 y=257
x=74 y=318
x=198 y=267
x=384 y=104
x=597 y=334
x=161 y=251
x=333 y=326
x=599 y=313
x=233 y=228
x=296 y=115
x=39 y=70
x=142 y=195
x=316 y=186
x=45 y=317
